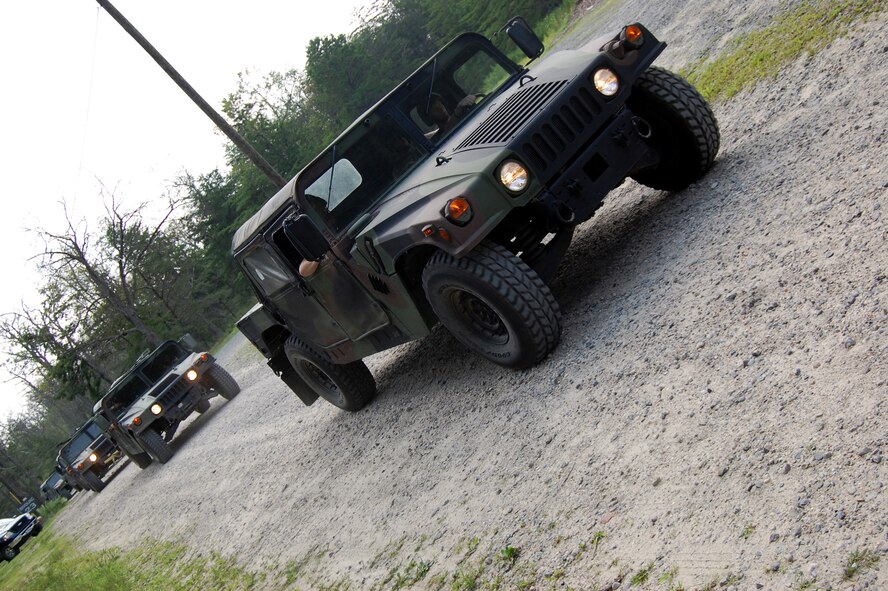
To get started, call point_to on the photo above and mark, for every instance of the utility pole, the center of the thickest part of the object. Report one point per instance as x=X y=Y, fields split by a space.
x=238 y=140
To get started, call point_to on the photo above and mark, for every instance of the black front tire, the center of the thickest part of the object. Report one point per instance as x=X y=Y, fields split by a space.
x=94 y=483
x=684 y=131
x=9 y=553
x=493 y=303
x=142 y=460
x=221 y=381
x=349 y=386
x=152 y=442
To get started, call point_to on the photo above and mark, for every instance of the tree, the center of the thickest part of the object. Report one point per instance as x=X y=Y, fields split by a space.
x=110 y=273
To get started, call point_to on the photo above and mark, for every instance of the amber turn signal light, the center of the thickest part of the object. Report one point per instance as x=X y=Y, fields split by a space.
x=632 y=36
x=458 y=207
x=458 y=211
x=137 y=421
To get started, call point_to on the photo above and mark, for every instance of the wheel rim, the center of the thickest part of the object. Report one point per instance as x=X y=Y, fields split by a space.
x=322 y=383
x=479 y=317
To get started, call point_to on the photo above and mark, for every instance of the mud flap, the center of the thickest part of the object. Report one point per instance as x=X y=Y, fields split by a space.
x=299 y=387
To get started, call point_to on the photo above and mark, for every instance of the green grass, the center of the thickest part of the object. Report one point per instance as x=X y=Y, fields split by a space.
x=509 y=555
x=54 y=562
x=859 y=562
x=758 y=55
x=52 y=508
x=747 y=531
x=554 y=23
x=643 y=574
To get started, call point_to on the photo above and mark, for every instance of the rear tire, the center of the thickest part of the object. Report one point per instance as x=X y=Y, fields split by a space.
x=494 y=304
x=155 y=446
x=94 y=483
x=684 y=130
x=221 y=381
x=349 y=386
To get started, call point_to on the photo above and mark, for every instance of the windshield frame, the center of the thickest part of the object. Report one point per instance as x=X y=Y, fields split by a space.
x=112 y=401
x=391 y=108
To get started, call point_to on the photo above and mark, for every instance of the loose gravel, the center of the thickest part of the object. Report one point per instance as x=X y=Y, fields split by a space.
x=715 y=414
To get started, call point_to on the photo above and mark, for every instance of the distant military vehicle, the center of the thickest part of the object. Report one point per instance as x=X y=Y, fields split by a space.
x=145 y=406
x=454 y=199
x=56 y=486
x=88 y=456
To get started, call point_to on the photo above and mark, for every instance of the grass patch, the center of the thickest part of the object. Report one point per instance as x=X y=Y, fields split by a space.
x=554 y=23
x=597 y=538
x=859 y=562
x=52 y=508
x=54 y=562
x=509 y=555
x=411 y=574
x=669 y=579
x=642 y=575
x=747 y=531
x=805 y=29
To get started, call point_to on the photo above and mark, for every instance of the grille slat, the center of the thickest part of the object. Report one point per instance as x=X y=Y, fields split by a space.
x=174 y=393
x=508 y=118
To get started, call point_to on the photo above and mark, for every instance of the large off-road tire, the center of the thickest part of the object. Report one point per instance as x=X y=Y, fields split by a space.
x=683 y=129
x=9 y=553
x=142 y=460
x=152 y=442
x=221 y=381
x=349 y=386
x=94 y=483
x=493 y=303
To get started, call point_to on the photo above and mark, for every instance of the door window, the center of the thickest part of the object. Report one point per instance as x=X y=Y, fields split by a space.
x=267 y=272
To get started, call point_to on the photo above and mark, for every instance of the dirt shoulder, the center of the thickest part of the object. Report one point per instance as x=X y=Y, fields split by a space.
x=716 y=407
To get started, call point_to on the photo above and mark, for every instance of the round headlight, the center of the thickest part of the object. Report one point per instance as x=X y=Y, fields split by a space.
x=191 y=375
x=93 y=457
x=156 y=409
x=606 y=82
x=513 y=176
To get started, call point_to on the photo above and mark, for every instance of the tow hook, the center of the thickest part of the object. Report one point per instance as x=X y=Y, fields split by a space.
x=642 y=127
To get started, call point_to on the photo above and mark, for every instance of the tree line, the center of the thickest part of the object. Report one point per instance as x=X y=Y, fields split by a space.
x=122 y=284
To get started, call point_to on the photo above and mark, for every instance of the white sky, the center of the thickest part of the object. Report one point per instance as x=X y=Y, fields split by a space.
x=132 y=129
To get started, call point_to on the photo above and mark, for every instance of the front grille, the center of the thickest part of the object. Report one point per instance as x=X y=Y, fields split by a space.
x=103 y=446
x=570 y=121
x=506 y=121
x=174 y=393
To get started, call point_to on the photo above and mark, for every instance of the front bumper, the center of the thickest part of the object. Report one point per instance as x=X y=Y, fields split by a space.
x=602 y=165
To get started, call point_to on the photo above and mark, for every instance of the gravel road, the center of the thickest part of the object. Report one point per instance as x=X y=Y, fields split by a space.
x=717 y=403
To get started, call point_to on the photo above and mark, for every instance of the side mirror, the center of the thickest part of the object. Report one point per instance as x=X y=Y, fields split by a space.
x=306 y=238
x=188 y=341
x=524 y=37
